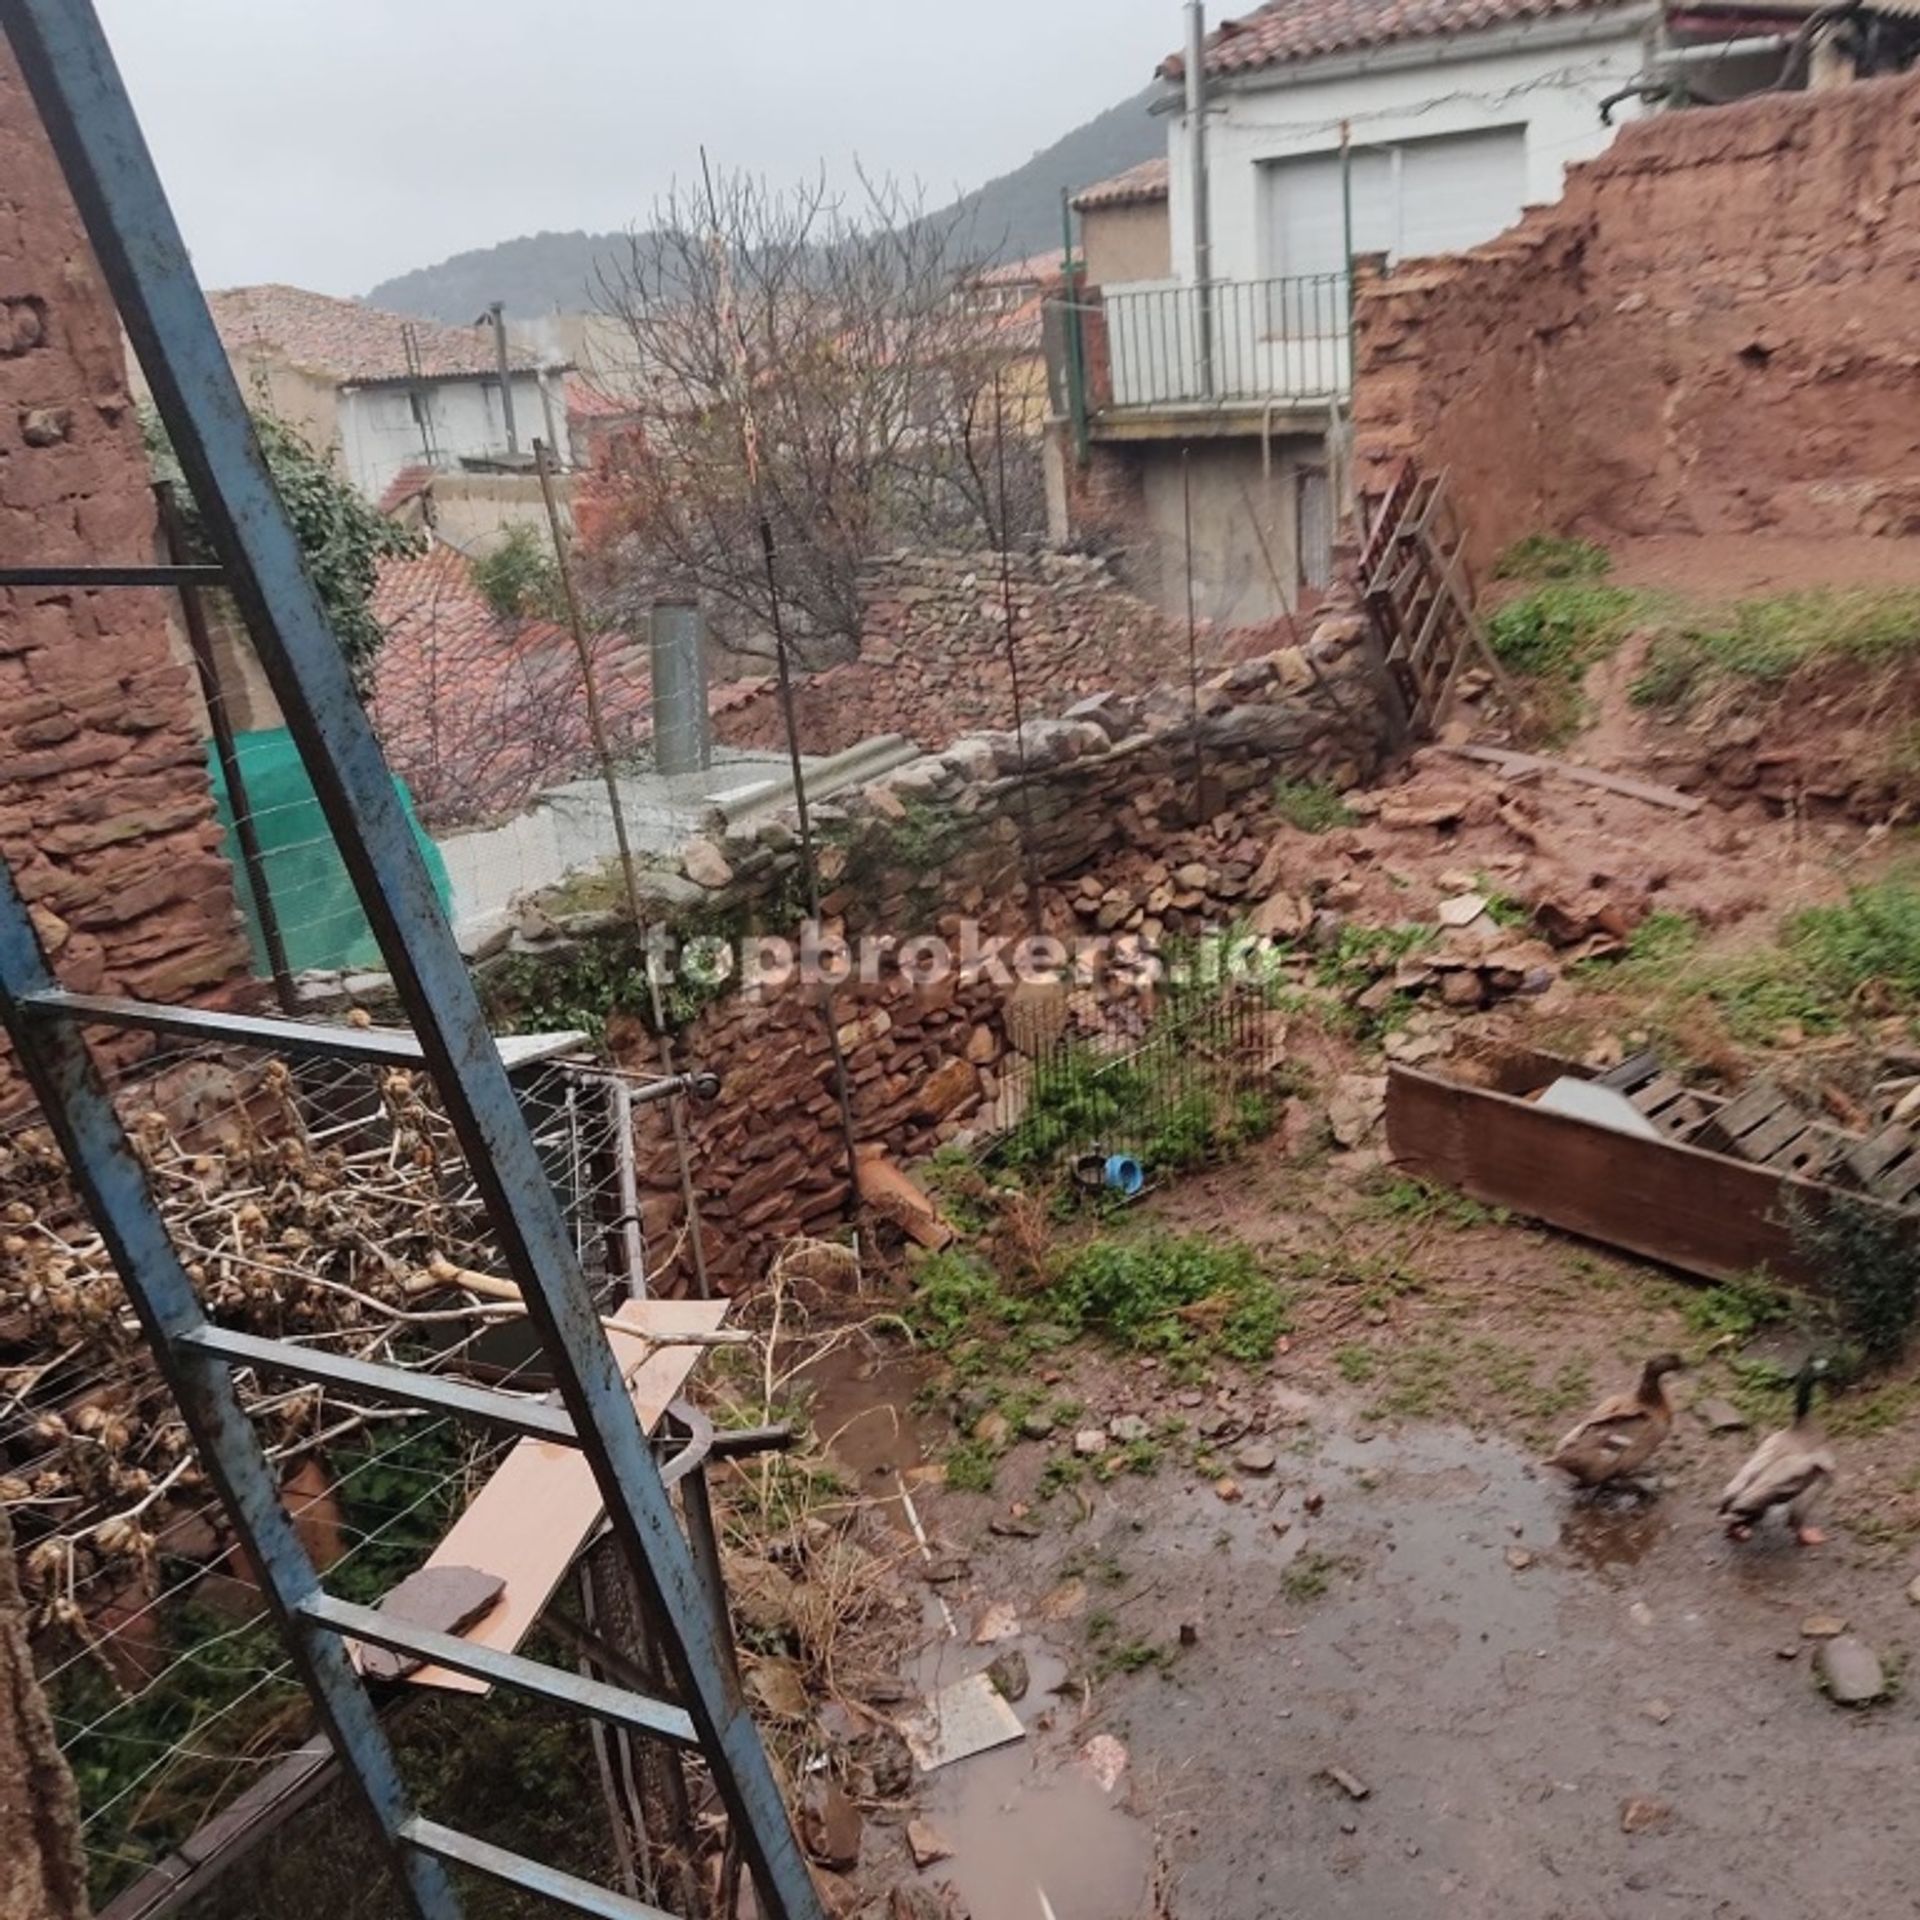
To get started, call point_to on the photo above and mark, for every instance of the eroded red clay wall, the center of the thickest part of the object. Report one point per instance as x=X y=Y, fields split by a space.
x=1717 y=329
x=105 y=811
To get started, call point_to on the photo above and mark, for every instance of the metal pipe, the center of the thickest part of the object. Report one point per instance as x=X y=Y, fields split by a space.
x=596 y=726
x=252 y=861
x=498 y=311
x=632 y=1248
x=1202 y=227
x=1076 y=351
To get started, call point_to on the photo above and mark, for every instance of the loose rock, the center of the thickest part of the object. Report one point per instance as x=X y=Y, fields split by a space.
x=927 y=1843
x=1257 y=1457
x=1721 y=1416
x=1850 y=1671
x=1009 y=1675
x=1638 y=1816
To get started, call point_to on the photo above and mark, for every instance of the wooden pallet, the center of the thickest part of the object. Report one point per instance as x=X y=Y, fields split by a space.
x=1414 y=579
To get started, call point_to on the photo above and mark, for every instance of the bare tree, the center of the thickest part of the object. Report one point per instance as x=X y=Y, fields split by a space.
x=877 y=380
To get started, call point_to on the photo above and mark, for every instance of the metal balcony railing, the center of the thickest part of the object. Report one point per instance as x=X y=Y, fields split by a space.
x=1229 y=342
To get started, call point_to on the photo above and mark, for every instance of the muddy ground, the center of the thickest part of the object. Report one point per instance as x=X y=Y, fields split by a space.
x=1362 y=1653
x=1557 y=1707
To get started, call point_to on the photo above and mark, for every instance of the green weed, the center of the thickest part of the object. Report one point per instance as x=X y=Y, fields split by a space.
x=1169 y=1294
x=1309 y=1576
x=1735 y=1309
x=1355 y=1364
x=1561 y=629
x=1312 y=806
x=1869 y=1267
x=1765 y=641
x=1552 y=556
x=971 y=1466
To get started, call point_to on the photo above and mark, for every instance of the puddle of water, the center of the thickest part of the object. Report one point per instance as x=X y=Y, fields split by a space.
x=861 y=1405
x=1025 y=1819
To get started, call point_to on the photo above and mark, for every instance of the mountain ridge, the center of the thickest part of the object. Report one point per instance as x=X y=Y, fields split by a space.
x=1011 y=216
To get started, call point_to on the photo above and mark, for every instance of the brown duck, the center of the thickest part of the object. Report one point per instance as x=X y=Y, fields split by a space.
x=1623 y=1432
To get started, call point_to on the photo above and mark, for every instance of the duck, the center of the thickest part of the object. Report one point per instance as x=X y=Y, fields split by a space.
x=1623 y=1432
x=1791 y=1468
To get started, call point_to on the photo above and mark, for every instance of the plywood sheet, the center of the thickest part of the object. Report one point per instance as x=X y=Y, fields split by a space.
x=534 y=1515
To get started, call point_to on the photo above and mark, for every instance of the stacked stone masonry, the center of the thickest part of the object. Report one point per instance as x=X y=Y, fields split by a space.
x=1102 y=816
x=106 y=815
x=1711 y=332
x=933 y=652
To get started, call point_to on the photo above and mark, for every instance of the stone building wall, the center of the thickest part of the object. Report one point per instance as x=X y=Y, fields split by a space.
x=1711 y=332
x=106 y=815
x=933 y=652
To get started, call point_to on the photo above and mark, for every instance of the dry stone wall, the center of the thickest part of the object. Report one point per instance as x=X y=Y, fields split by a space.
x=1096 y=806
x=1711 y=332
x=106 y=815
x=933 y=652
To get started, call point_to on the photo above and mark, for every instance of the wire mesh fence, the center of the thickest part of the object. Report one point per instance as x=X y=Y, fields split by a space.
x=1127 y=1092
x=315 y=1201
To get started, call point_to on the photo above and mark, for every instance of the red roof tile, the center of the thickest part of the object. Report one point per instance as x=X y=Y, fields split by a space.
x=1037 y=270
x=1289 y=30
x=479 y=713
x=1138 y=187
x=349 y=340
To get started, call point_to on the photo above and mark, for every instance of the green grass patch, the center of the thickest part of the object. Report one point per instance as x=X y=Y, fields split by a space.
x=1312 y=806
x=1735 y=1309
x=1309 y=1576
x=1397 y=1199
x=1561 y=629
x=1552 y=556
x=970 y=1466
x=1764 y=642
x=1168 y=1294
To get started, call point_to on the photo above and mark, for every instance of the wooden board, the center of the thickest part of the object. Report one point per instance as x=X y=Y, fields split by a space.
x=1698 y=1211
x=531 y=1519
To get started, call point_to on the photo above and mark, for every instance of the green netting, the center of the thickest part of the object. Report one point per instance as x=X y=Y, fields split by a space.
x=320 y=917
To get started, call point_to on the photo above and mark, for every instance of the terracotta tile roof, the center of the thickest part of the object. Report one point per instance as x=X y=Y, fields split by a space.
x=347 y=339
x=1037 y=270
x=1138 y=187
x=1289 y=30
x=404 y=485
x=479 y=713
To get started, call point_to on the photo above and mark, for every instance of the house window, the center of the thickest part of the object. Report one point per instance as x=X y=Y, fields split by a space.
x=1410 y=198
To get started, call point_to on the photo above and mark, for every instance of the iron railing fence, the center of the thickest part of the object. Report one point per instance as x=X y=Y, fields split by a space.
x=1228 y=342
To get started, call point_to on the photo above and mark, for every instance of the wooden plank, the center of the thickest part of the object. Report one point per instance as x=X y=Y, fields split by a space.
x=1510 y=762
x=1633 y=1073
x=1774 y=1135
x=531 y=1519
x=1872 y=1158
x=1665 y=1201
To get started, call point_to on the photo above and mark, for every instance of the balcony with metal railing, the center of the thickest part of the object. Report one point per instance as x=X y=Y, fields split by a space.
x=1227 y=345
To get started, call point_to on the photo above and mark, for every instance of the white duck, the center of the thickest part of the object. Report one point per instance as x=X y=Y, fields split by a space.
x=1791 y=1468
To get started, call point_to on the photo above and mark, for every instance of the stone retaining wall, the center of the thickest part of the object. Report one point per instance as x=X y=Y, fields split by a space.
x=1102 y=817
x=933 y=652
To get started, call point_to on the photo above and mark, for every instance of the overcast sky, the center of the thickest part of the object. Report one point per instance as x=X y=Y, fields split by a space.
x=333 y=143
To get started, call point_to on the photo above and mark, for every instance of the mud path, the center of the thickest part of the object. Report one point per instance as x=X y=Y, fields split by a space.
x=1557 y=1709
